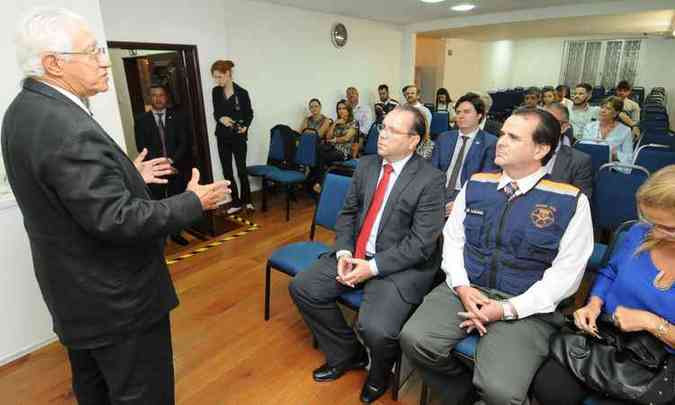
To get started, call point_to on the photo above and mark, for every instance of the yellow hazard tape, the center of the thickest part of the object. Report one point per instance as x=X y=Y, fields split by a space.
x=251 y=228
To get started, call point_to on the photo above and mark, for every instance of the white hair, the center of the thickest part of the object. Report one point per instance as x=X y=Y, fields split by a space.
x=42 y=30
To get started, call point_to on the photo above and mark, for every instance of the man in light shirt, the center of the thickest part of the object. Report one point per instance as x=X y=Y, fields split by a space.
x=514 y=247
x=362 y=113
x=630 y=115
x=582 y=113
x=412 y=97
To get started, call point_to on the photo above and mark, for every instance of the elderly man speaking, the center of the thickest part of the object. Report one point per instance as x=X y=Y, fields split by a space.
x=97 y=238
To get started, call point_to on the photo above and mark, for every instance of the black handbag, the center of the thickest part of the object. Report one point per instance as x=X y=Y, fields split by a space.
x=628 y=366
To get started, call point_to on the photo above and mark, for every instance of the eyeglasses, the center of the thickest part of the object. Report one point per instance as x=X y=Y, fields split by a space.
x=92 y=53
x=383 y=129
x=667 y=231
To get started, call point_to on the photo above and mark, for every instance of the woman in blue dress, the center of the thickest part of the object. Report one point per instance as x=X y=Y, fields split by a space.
x=635 y=289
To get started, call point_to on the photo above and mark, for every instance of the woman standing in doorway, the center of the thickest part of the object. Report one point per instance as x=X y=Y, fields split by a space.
x=233 y=113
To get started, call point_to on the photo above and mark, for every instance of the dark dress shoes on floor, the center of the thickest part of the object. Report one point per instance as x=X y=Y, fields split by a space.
x=332 y=373
x=371 y=392
x=180 y=240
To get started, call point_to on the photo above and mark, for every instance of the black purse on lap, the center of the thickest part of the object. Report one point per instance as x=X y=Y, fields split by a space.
x=629 y=366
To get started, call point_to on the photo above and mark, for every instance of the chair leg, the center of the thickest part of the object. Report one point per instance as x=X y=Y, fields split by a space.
x=288 y=203
x=397 y=377
x=268 y=271
x=264 y=195
x=424 y=395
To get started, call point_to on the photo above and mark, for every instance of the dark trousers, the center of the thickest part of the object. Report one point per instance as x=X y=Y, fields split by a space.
x=237 y=147
x=327 y=154
x=554 y=384
x=380 y=317
x=138 y=370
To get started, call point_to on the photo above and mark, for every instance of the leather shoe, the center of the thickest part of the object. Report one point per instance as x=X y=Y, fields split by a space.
x=371 y=392
x=332 y=373
x=180 y=240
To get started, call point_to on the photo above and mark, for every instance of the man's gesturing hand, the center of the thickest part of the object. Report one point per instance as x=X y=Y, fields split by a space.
x=210 y=195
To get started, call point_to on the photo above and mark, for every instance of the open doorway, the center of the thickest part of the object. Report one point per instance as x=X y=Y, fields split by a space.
x=138 y=68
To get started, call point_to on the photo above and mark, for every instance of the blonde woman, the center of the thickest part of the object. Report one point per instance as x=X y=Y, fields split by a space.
x=635 y=289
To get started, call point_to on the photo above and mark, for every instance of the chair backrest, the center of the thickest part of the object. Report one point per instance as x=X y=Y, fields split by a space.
x=657 y=138
x=597 y=150
x=439 y=122
x=371 y=142
x=276 y=151
x=332 y=198
x=614 y=189
x=654 y=157
x=305 y=155
x=617 y=238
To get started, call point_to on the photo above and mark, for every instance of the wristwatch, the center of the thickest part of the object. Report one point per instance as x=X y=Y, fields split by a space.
x=509 y=313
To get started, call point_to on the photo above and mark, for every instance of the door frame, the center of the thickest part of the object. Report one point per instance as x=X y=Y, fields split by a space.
x=196 y=97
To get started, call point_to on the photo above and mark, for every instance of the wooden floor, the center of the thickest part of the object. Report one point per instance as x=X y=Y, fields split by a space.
x=224 y=352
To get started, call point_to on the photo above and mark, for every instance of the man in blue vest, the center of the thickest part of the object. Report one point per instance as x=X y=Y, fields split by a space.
x=515 y=246
x=467 y=150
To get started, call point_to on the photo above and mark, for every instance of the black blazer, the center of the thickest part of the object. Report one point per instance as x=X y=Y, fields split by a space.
x=178 y=136
x=238 y=108
x=408 y=237
x=96 y=237
x=574 y=167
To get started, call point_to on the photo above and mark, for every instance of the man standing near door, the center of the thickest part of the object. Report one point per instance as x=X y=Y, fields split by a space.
x=164 y=132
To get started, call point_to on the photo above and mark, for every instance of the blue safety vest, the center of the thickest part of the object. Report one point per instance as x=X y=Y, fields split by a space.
x=509 y=244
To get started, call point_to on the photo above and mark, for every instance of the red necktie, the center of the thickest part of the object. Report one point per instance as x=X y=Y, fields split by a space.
x=373 y=210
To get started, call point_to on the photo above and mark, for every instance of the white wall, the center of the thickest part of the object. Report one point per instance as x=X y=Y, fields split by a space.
x=283 y=55
x=463 y=66
x=429 y=66
x=26 y=323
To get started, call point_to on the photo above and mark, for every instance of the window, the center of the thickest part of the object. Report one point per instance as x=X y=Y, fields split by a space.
x=600 y=63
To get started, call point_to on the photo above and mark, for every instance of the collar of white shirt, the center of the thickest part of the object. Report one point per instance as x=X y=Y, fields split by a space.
x=162 y=111
x=75 y=99
x=525 y=184
x=470 y=135
x=398 y=165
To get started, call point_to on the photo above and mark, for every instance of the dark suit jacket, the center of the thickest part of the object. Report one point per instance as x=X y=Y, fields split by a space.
x=479 y=158
x=493 y=127
x=408 y=236
x=238 y=107
x=178 y=137
x=574 y=167
x=96 y=237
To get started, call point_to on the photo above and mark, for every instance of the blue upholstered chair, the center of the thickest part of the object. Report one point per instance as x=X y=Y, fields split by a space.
x=295 y=257
x=274 y=154
x=654 y=157
x=305 y=160
x=439 y=123
x=599 y=152
x=613 y=201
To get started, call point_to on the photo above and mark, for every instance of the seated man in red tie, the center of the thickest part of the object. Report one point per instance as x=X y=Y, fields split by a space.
x=387 y=236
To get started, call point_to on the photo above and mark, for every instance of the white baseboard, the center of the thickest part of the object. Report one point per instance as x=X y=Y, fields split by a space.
x=26 y=350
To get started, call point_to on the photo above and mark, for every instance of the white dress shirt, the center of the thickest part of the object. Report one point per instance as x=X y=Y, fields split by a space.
x=163 y=115
x=372 y=238
x=75 y=99
x=363 y=116
x=560 y=281
x=455 y=155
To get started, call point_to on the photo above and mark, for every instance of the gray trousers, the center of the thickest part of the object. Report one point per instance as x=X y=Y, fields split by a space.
x=507 y=357
x=381 y=316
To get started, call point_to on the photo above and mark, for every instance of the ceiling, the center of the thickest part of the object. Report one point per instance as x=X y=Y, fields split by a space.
x=651 y=22
x=404 y=12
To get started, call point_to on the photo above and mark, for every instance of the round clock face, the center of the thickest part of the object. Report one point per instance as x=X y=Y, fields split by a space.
x=338 y=35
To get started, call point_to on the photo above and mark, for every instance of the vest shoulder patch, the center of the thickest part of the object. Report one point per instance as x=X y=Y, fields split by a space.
x=486 y=177
x=559 y=188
